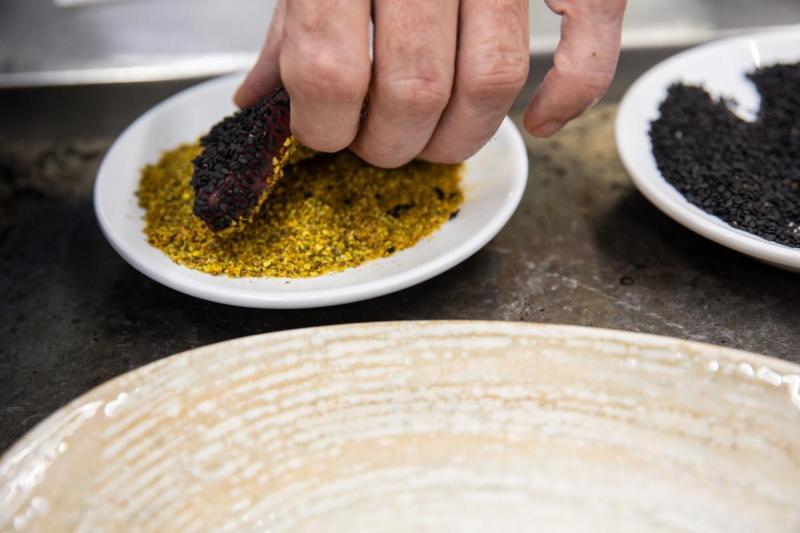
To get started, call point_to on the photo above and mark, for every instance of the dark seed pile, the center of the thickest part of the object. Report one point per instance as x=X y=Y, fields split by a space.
x=237 y=166
x=747 y=174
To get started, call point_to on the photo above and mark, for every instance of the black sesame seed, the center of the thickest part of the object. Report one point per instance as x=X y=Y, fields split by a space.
x=232 y=172
x=746 y=173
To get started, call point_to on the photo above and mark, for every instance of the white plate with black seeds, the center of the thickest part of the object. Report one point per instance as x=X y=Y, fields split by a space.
x=721 y=68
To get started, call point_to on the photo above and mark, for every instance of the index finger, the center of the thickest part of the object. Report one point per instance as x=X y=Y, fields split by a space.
x=584 y=63
x=325 y=67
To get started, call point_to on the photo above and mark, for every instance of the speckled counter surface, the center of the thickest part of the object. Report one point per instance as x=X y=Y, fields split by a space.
x=584 y=248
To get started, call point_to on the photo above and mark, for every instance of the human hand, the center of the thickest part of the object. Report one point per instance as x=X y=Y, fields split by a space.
x=444 y=74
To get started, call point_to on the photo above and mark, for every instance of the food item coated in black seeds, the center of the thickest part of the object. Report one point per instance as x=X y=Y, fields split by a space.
x=242 y=159
x=746 y=173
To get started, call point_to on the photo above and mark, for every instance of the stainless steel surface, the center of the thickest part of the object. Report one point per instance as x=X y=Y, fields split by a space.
x=583 y=248
x=126 y=41
x=63 y=42
x=66 y=112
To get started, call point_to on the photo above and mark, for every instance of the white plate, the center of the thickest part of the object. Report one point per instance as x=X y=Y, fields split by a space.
x=493 y=184
x=720 y=67
x=423 y=426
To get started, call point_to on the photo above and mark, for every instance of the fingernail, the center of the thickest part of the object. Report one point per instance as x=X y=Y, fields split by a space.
x=547 y=129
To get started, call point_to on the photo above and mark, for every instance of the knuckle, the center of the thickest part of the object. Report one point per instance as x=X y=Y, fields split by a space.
x=496 y=76
x=328 y=78
x=417 y=95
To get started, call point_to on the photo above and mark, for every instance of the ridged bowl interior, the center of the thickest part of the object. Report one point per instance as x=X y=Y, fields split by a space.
x=422 y=426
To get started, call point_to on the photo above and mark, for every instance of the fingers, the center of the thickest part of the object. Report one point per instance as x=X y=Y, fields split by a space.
x=491 y=69
x=413 y=69
x=584 y=64
x=264 y=77
x=325 y=67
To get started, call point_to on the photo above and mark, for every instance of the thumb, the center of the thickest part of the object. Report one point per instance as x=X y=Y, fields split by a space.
x=264 y=78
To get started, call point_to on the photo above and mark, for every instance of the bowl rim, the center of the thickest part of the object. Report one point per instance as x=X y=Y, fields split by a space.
x=749 y=364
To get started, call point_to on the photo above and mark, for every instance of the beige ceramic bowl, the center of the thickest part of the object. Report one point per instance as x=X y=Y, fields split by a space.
x=426 y=426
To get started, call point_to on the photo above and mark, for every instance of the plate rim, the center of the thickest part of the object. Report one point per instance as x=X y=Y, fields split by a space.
x=668 y=199
x=319 y=297
x=710 y=351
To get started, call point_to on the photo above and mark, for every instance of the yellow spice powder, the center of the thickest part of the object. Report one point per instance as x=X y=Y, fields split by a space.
x=326 y=214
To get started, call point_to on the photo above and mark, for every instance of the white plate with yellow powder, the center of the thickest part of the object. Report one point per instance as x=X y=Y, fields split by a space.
x=422 y=426
x=493 y=183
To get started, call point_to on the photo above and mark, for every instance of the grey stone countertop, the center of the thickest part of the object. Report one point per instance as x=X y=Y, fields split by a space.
x=584 y=248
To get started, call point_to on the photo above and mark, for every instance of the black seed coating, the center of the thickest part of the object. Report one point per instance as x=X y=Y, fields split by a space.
x=747 y=174
x=235 y=167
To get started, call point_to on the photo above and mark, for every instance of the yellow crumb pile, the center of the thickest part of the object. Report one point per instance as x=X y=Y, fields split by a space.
x=326 y=214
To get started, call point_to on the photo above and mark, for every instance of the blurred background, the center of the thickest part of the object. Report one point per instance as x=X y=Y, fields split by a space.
x=56 y=42
x=71 y=68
